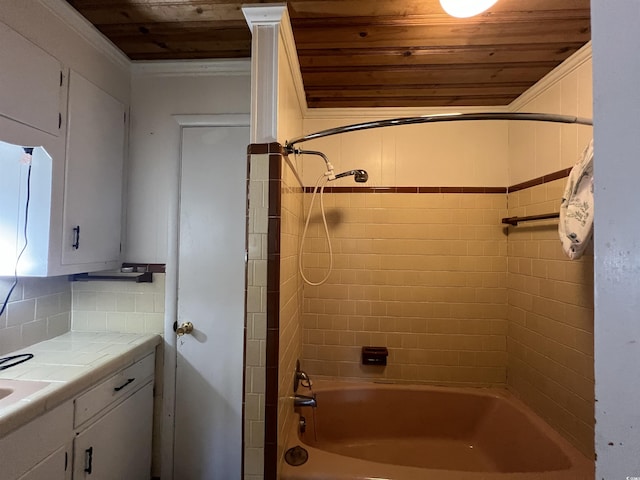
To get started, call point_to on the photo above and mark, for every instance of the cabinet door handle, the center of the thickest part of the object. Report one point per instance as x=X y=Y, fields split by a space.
x=88 y=460
x=76 y=236
x=129 y=380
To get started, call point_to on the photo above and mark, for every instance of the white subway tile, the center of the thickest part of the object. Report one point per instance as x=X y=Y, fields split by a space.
x=20 y=312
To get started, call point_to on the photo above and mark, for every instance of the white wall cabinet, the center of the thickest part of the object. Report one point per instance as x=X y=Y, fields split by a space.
x=82 y=127
x=94 y=175
x=30 y=83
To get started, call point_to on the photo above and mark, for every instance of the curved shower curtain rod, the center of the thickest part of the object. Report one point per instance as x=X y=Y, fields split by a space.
x=442 y=117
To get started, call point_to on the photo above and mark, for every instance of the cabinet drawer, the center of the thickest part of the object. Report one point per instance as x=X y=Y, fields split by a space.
x=114 y=389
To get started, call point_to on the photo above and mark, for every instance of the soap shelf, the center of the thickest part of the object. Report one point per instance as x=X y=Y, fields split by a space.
x=374 y=355
x=138 y=277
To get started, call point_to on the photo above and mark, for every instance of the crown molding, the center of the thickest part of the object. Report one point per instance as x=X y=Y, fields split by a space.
x=80 y=25
x=561 y=71
x=178 y=68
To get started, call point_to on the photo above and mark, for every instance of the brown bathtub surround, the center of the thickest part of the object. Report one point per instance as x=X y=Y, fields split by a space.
x=550 y=337
x=423 y=271
x=423 y=274
x=349 y=434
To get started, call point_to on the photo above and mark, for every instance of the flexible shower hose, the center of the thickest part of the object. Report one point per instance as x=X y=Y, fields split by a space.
x=326 y=231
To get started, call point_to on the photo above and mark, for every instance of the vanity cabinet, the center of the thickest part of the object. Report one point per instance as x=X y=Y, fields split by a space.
x=113 y=423
x=100 y=451
x=41 y=448
x=56 y=466
x=104 y=433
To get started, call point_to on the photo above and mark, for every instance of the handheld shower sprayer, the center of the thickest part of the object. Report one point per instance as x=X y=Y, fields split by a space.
x=360 y=176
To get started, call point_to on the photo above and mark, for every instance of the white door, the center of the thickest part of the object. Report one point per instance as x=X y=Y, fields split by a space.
x=211 y=283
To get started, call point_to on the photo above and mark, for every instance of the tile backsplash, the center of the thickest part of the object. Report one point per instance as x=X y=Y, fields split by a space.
x=118 y=306
x=39 y=309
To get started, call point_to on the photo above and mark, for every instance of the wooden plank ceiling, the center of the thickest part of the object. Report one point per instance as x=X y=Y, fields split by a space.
x=368 y=53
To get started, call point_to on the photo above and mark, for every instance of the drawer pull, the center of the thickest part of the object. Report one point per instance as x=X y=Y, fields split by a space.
x=117 y=389
x=88 y=460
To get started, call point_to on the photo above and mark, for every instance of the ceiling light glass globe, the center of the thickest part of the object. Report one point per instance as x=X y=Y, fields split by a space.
x=466 y=8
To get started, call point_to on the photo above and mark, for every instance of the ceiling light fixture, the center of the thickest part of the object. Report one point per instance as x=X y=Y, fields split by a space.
x=466 y=8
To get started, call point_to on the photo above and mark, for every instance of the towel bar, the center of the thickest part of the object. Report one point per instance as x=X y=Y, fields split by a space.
x=515 y=220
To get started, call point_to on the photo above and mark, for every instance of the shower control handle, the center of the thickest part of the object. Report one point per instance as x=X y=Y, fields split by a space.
x=184 y=328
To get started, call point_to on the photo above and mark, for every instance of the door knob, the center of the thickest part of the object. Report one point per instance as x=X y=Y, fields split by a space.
x=184 y=328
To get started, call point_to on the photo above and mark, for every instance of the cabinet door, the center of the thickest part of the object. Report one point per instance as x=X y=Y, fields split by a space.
x=57 y=466
x=118 y=445
x=36 y=441
x=30 y=82
x=93 y=176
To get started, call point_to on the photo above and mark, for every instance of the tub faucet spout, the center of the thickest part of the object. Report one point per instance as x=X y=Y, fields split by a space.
x=305 y=401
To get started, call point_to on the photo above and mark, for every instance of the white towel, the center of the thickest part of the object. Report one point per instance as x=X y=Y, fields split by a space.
x=576 y=210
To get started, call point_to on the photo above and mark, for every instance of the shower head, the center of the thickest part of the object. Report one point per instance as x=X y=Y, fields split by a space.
x=360 y=176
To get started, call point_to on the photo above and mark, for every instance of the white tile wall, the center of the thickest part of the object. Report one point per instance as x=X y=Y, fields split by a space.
x=541 y=149
x=256 y=329
x=118 y=306
x=39 y=309
x=443 y=154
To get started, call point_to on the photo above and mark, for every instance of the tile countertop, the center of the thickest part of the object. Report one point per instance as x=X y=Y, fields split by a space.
x=70 y=363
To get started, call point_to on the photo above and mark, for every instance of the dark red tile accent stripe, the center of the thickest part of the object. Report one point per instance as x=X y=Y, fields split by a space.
x=514 y=188
x=261 y=148
x=275 y=187
x=410 y=189
x=541 y=180
x=273 y=311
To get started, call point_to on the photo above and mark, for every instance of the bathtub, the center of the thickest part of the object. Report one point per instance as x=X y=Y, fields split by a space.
x=403 y=432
